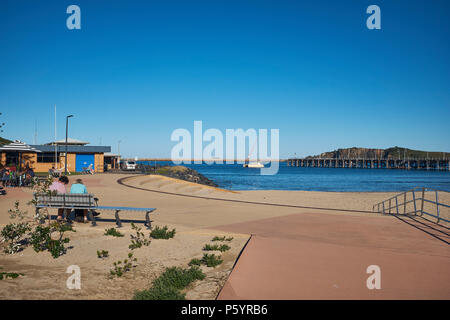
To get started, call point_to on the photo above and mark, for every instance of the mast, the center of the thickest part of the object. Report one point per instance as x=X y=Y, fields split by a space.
x=56 y=147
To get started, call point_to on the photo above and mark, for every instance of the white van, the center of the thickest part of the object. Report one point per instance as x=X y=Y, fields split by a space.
x=128 y=165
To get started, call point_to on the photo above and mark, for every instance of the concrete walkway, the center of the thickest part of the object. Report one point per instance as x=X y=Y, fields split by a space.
x=322 y=256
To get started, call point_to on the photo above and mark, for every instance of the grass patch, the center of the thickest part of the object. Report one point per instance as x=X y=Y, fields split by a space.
x=11 y=275
x=216 y=238
x=215 y=247
x=102 y=254
x=120 y=267
x=209 y=260
x=168 y=285
x=162 y=233
x=112 y=232
x=195 y=262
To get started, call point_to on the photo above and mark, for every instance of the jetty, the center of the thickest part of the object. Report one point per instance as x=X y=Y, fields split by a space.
x=361 y=163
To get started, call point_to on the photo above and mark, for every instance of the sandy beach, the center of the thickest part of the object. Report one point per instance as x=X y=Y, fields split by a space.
x=185 y=207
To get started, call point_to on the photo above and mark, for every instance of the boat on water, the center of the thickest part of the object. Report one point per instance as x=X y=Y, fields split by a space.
x=253 y=165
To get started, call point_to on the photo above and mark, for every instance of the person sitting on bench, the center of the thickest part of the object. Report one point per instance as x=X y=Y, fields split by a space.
x=60 y=187
x=79 y=188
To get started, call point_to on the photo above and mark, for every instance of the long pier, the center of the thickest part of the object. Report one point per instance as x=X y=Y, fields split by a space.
x=415 y=164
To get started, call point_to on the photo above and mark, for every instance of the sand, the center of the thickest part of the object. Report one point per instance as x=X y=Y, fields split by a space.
x=182 y=205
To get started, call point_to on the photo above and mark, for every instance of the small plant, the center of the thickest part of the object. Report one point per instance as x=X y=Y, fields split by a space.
x=102 y=254
x=195 y=262
x=11 y=275
x=216 y=238
x=211 y=260
x=41 y=238
x=168 y=285
x=16 y=212
x=162 y=233
x=120 y=267
x=113 y=232
x=139 y=239
x=215 y=247
x=14 y=235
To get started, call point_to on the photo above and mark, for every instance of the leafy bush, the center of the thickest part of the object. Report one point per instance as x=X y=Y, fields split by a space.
x=41 y=238
x=162 y=233
x=14 y=235
x=211 y=260
x=102 y=254
x=216 y=238
x=139 y=239
x=11 y=275
x=113 y=232
x=168 y=285
x=195 y=262
x=216 y=247
x=120 y=267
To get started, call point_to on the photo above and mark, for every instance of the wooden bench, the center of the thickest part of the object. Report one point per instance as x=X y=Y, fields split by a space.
x=70 y=202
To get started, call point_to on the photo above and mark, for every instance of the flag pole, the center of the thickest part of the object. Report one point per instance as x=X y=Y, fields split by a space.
x=56 y=147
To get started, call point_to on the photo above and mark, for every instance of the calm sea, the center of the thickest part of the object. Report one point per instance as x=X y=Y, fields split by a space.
x=235 y=177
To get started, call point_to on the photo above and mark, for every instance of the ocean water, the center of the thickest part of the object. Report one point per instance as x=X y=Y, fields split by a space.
x=236 y=177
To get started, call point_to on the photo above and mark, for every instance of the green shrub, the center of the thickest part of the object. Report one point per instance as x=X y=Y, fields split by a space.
x=159 y=293
x=120 y=267
x=216 y=238
x=215 y=247
x=112 y=232
x=139 y=239
x=102 y=254
x=168 y=285
x=211 y=260
x=195 y=262
x=14 y=235
x=41 y=239
x=11 y=275
x=162 y=233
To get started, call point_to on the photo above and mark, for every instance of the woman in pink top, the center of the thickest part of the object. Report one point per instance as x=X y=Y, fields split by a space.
x=60 y=187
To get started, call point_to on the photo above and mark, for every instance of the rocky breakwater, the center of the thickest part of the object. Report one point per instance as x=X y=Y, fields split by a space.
x=187 y=174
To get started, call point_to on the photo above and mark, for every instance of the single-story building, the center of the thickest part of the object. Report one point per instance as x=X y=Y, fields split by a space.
x=42 y=158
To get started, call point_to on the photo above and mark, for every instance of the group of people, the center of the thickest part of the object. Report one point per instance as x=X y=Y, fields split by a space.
x=59 y=186
x=12 y=177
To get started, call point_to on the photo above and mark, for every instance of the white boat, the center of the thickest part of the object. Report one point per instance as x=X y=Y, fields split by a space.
x=253 y=165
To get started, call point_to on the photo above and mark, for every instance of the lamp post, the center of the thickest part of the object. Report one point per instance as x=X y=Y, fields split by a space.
x=118 y=151
x=67 y=132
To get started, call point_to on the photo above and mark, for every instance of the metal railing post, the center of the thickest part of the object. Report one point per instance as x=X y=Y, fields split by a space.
x=396 y=203
x=404 y=203
x=414 y=199
x=423 y=197
x=437 y=206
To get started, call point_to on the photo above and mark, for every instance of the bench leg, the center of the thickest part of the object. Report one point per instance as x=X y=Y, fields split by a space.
x=118 y=222
x=148 y=223
x=66 y=216
x=92 y=218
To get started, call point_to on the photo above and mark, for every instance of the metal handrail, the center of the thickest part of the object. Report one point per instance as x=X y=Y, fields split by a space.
x=386 y=206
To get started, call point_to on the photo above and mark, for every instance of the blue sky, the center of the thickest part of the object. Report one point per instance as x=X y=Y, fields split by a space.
x=137 y=70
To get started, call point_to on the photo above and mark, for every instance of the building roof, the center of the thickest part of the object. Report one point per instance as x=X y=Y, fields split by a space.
x=73 y=148
x=70 y=141
x=109 y=154
x=18 y=146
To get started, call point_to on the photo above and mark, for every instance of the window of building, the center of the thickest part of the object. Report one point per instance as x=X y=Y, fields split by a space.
x=47 y=157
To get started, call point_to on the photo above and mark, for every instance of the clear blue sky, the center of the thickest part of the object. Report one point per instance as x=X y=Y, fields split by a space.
x=137 y=70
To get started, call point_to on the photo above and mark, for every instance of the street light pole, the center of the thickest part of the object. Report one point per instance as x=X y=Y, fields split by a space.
x=118 y=151
x=67 y=133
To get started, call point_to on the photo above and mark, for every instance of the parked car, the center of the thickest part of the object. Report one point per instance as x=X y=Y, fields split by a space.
x=128 y=165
